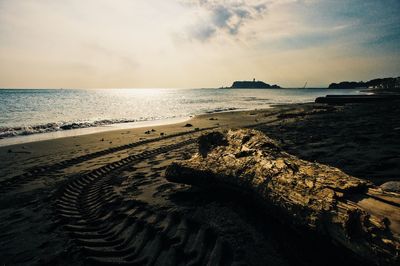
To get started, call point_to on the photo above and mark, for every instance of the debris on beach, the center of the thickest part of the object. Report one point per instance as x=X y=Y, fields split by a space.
x=308 y=195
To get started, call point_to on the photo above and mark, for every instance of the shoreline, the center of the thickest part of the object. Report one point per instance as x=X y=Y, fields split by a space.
x=21 y=156
x=51 y=126
x=38 y=136
x=44 y=136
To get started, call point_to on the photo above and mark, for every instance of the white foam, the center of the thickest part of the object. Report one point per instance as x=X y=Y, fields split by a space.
x=89 y=130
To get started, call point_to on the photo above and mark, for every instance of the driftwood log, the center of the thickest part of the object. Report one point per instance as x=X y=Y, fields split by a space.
x=351 y=212
x=343 y=99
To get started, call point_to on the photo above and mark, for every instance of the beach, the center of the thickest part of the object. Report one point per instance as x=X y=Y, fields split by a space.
x=200 y=132
x=79 y=200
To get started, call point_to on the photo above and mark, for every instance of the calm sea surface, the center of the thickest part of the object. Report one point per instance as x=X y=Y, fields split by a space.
x=30 y=111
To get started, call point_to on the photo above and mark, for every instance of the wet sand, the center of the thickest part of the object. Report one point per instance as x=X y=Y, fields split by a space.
x=102 y=198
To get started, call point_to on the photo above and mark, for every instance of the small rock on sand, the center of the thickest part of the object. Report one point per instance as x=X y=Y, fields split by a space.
x=391 y=186
x=188 y=125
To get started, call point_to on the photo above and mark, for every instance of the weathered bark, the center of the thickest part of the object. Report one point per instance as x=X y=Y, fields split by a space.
x=351 y=211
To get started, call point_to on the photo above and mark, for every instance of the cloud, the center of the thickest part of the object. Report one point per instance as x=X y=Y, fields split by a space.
x=222 y=17
x=195 y=43
x=202 y=32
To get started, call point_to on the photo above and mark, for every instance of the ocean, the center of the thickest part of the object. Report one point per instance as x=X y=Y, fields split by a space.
x=63 y=111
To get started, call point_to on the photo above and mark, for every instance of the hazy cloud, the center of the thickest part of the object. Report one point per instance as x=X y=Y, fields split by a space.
x=121 y=58
x=202 y=32
x=196 y=43
x=223 y=16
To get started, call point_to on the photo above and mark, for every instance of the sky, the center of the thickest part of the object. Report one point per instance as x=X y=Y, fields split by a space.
x=196 y=43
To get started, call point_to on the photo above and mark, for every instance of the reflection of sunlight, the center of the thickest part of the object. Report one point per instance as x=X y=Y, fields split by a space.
x=136 y=93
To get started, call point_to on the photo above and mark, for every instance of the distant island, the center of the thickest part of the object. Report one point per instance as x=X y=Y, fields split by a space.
x=381 y=83
x=251 y=85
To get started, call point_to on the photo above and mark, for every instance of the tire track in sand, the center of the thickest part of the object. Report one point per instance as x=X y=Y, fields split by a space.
x=111 y=230
x=33 y=173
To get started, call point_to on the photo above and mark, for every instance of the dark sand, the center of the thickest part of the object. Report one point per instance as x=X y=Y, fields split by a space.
x=102 y=197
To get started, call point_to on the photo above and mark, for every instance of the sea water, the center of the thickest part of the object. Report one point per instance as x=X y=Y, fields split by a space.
x=34 y=111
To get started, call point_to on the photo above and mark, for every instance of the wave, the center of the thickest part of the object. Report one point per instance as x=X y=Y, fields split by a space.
x=220 y=110
x=6 y=132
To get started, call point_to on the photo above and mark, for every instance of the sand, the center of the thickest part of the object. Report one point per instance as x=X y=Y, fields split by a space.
x=102 y=198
